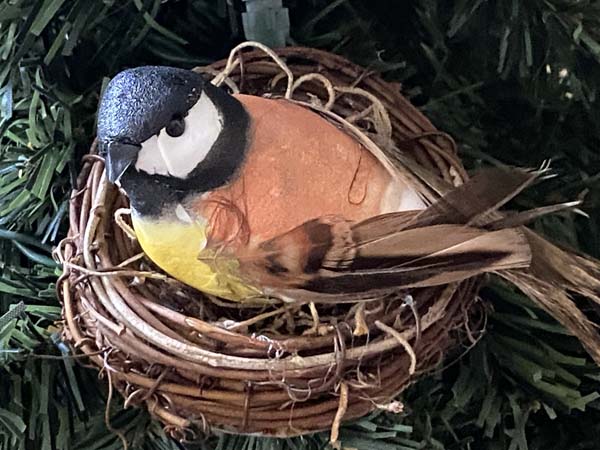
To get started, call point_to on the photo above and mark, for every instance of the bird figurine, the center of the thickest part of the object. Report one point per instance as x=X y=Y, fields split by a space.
x=245 y=197
x=242 y=196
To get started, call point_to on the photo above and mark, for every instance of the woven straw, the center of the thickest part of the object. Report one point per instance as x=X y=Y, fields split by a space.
x=198 y=362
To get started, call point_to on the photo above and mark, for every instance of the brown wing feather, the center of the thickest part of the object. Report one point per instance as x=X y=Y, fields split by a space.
x=471 y=203
x=475 y=201
x=404 y=249
x=426 y=256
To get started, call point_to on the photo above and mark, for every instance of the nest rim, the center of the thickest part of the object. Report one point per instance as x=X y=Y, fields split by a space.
x=191 y=392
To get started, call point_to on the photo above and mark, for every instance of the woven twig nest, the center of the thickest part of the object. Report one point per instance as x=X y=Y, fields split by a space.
x=196 y=361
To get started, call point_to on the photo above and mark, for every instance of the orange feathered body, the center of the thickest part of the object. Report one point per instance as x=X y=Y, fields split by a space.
x=298 y=167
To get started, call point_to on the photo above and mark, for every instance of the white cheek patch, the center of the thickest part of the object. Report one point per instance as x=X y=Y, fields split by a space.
x=178 y=156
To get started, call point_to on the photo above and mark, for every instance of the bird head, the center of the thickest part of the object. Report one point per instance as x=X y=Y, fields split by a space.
x=166 y=133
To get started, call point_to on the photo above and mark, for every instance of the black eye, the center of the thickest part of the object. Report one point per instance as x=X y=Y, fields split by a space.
x=176 y=126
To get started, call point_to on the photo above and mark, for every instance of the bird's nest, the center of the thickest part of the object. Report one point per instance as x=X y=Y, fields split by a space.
x=196 y=361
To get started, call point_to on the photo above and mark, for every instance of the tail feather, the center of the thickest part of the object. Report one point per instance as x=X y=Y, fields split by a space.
x=553 y=278
x=564 y=268
x=525 y=217
x=557 y=301
x=476 y=202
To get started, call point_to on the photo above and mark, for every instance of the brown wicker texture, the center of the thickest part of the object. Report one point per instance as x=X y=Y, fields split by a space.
x=197 y=362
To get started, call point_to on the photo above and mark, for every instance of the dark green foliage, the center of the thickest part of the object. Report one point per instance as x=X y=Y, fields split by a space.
x=514 y=82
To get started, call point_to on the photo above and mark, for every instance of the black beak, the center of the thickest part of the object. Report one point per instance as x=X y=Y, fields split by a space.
x=119 y=156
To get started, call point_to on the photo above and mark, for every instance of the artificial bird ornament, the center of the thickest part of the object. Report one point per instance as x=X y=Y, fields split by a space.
x=243 y=197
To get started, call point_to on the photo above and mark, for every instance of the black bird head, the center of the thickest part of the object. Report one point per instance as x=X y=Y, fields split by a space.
x=136 y=105
x=166 y=133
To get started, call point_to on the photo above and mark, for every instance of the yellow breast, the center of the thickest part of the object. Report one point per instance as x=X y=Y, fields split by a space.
x=179 y=248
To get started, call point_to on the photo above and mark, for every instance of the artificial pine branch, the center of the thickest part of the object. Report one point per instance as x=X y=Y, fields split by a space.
x=513 y=82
